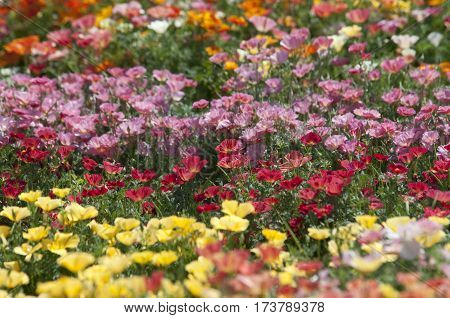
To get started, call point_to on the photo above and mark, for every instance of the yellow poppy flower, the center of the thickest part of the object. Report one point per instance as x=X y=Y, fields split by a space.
x=61 y=193
x=123 y=224
x=429 y=239
x=319 y=234
x=61 y=242
x=4 y=231
x=76 y=261
x=128 y=237
x=143 y=257
x=75 y=212
x=366 y=221
x=28 y=251
x=366 y=264
x=99 y=274
x=13 y=265
x=195 y=287
x=36 y=234
x=274 y=237
x=15 y=213
x=48 y=204
x=200 y=269
x=105 y=231
x=230 y=223
x=116 y=264
x=164 y=258
x=12 y=279
x=30 y=196
x=352 y=31
x=439 y=220
x=61 y=287
x=232 y=207
x=388 y=291
x=395 y=222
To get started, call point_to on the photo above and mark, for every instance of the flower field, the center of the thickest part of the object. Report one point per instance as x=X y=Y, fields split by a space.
x=224 y=148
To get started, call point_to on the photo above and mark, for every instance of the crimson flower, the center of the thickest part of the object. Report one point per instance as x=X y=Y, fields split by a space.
x=311 y=139
x=112 y=168
x=269 y=175
x=143 y=176
x=93 y=179
x=138 y=194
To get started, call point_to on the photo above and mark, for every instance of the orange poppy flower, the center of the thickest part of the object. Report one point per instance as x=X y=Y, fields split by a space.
x=21 y=46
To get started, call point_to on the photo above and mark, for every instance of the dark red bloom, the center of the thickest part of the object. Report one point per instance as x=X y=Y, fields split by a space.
x=269 y=175
x=320 y=212
x=441 y=196
x=148 y=207
x=233 y=161
x=380 y=157
x=418 y=189
x=229 y=146
x=208 y=207
x=114 y=184
x=169 y=181
x=32 y=155
x=261 y=206
x=153 y=282
x=12 y=188
x=143 y=176
x=291 y=184
x=93 y=179
x=397 y=168
x=112 y=168
x=89 y=164
x=311 y=139
x=293 y=160
x=138 y=194
x=191 y=166
x=95 y=192
x=429 y=211
x=307 y=194
x=65 y=151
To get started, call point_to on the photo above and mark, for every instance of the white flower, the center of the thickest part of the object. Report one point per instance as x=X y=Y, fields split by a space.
x=408 y=52
x=159 y=26
x=435 y=38
x=338 y=42
x=405 y=41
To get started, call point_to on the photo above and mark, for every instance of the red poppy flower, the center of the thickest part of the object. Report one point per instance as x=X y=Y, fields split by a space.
x=112 y=168
x=380 y=157
x=233 y=161
x=397 y=168
x=95 y=192
x=293 y=160
x=291 y=184
x=114 y=184
x=441 y=196
x=307 y=194
x=269 y=175
x=191 y=166
x=93 y=179
x=143 y=176
x=153 y=282
x=169 y=181
x=138 y=194
x=418 y=189
x=148 y=207
x=12 y=188
x=89 y=164
x=311 y=139
x=65 y=151
x=229 y=146
x=208 y=207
